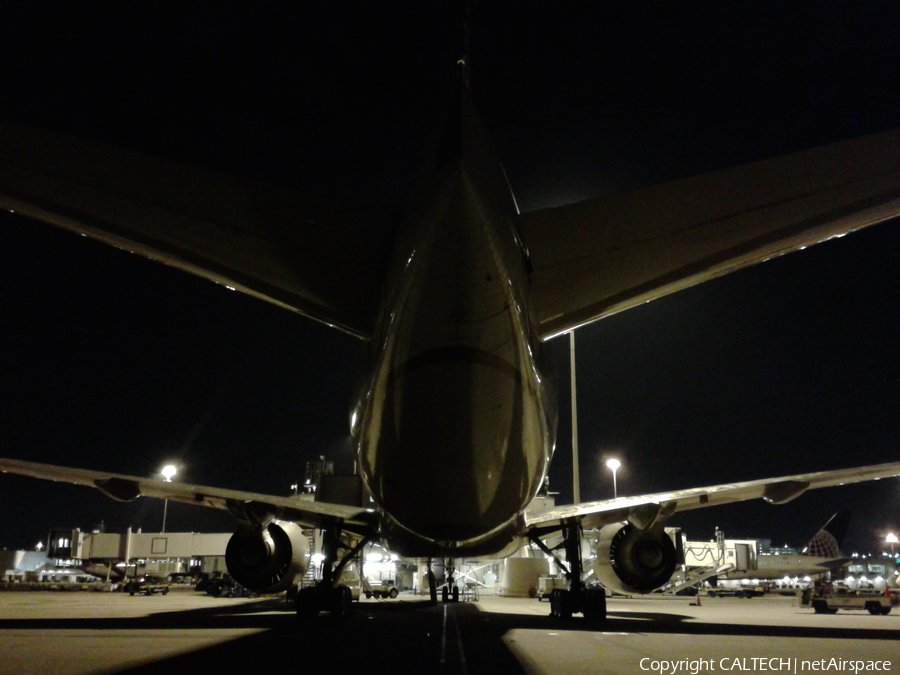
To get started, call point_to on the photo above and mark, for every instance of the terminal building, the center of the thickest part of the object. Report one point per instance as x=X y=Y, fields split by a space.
x=79 y=557
x=71 y=555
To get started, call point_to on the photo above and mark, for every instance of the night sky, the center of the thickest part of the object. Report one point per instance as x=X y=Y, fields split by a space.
x=109 y=361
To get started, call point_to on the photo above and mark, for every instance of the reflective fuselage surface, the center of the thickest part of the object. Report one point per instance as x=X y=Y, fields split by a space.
x=456 y=428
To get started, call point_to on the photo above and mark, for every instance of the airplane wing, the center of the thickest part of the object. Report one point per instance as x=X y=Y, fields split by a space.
x=589 y=259
x=647 y=510
x=287 y=248
x=598 y=257
x=244 y=505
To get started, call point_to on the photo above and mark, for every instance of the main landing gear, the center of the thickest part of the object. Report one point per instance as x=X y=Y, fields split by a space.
x=326 y=596
x=320 y=598
x=591 y=602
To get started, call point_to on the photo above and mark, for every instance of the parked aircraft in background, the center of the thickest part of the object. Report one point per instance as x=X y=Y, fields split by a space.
x=455 y=422
x=821 y=555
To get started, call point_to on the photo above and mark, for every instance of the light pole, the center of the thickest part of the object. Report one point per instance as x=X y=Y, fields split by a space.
x=576 y=472
x=168 y=473
x=891 y=539
x=614 y=465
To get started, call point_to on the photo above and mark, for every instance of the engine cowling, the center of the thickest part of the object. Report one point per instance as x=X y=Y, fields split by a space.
x=631 y=561
x=268 y=560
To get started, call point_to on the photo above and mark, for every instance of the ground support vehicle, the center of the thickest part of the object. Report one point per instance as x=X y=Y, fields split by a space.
x=384 y=589
x=148 y=585
x=184 y=578
x=829 y=603
x=547 y=584
x=748 y=592
x=226 y=586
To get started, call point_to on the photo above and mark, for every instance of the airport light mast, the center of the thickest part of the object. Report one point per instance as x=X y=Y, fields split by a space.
x=614 y=464
x=168 y=473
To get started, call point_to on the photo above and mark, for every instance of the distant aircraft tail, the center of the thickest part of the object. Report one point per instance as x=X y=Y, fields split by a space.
x=828 y=541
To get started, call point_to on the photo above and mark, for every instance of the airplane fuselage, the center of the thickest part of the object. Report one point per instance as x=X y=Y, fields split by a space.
x=456 y=425
x=780 y=566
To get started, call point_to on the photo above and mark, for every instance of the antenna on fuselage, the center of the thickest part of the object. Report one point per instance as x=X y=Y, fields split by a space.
x=450 y=146
x=462 y=49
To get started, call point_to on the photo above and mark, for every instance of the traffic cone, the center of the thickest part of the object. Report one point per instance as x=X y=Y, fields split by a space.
x=697 y=604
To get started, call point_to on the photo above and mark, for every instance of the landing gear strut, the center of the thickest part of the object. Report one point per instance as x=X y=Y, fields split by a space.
x=327 y=596
x=432 y=583
x=591 y=602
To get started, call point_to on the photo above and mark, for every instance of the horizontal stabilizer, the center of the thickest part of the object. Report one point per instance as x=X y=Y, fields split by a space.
x=601 y=256
x=325 y=261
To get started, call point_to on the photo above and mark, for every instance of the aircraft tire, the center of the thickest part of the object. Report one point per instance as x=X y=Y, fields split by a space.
x=565 y=605
x=307 y=604
x=341 y=600
x=594 y=604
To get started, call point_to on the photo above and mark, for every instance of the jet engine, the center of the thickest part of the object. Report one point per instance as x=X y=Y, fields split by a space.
x=632 y=561
x=268 y=560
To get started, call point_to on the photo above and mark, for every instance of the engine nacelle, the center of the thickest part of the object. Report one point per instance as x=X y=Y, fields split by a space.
x=268 y=561
x=632 y=561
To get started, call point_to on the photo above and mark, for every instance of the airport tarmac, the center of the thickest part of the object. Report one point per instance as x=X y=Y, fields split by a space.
x=186 y=632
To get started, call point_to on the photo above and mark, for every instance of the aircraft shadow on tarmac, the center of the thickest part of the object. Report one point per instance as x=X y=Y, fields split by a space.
x=393 y=637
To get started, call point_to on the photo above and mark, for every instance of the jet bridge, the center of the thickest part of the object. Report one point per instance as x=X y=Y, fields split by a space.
x=705 y=560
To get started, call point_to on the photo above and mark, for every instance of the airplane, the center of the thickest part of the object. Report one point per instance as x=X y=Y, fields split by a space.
x=455 y=425
x=820 y=556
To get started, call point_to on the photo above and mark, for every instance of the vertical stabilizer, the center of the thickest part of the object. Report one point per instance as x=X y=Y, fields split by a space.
x=828 y=541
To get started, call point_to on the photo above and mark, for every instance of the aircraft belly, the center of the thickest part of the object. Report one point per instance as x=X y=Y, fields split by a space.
x=457 y=465
x=456 y=435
